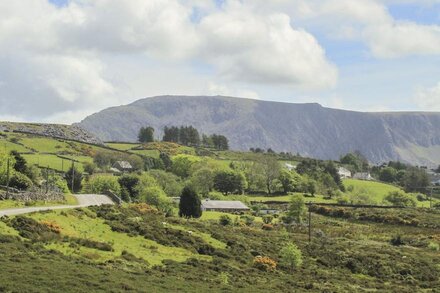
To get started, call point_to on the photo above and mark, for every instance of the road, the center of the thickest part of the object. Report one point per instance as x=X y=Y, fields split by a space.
x=84 y=200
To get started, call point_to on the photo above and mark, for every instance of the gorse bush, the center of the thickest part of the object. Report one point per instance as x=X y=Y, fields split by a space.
x=399 y=198
x=265 y=263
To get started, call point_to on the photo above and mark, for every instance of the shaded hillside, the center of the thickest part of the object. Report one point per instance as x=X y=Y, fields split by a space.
x=309 y=129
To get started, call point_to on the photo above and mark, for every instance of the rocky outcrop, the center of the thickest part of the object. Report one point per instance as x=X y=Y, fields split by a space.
x=60 y=131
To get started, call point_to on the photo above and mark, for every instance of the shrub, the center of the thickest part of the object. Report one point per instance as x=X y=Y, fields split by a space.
x=397 y=240
x=54 y=227
x=399 y=198
x=128 y=185
x=265 y=263
x=20 y=181
x=100 y=184
x=143 y=208
x=434 y=246
x=291 y=256
x=225 y=220
x=248 y=219
x=267 y=219
x=267 y=227
x=297 y=209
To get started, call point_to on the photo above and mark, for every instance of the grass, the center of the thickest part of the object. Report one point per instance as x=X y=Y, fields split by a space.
x=8 y=146
x=215 y=216
x=286 y=198
x=377 y=191
x=95 y=229
x=52 y=161
x=122 y=146
x=10 y=204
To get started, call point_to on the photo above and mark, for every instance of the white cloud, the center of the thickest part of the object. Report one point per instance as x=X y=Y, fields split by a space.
x=371 y=22
x=62 y=59
x=261 y=48
x=428 y=99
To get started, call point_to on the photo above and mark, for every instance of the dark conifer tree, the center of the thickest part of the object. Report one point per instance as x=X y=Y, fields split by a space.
x=190 y=205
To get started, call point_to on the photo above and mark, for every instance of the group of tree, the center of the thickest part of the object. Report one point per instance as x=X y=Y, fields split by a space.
x=146 y=134
x=410 y=178
x=355 y=162
x=184 y=135
x=216 y=141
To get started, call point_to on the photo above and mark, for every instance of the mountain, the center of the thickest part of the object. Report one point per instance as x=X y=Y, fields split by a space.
x=309 y=129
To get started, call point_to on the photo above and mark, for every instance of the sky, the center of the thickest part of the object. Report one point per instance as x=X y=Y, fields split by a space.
x=61 y=60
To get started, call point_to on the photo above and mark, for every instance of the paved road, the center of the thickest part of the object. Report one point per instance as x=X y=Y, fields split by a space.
x=84 y=200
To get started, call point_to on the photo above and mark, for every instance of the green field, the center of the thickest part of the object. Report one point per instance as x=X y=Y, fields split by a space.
x=122 y=146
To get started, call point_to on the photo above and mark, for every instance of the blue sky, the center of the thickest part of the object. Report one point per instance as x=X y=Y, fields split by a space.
x=77 y=57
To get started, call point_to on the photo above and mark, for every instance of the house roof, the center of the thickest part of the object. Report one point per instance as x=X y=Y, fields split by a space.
x=224 y=205
x=123 y=164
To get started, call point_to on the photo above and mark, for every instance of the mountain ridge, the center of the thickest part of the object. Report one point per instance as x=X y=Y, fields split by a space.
x=307 y=128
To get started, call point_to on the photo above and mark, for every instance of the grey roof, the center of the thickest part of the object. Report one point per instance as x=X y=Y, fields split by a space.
x=224 y=205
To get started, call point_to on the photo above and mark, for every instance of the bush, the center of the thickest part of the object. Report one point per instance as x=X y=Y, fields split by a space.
x=225 y=220
x=267 y=219
x=397 y=240
x=291 y=256
x=434 y=246
x=100 y=184
x=248 y=219
x=399 y=198
x=128 y=185
x=20 y=181
x=265 y=263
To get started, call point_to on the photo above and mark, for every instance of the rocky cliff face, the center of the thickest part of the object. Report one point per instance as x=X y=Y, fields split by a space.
x=309 y=129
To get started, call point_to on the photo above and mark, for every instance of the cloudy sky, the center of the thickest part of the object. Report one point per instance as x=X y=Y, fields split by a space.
x=61 y=60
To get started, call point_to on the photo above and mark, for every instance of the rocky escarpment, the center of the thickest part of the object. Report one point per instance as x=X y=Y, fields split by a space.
x=60 y=131
x=309 y=129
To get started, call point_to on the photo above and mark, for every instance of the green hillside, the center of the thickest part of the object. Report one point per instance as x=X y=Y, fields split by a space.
x=133 y=248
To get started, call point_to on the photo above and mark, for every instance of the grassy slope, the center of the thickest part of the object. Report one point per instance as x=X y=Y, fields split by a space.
x=95 y=229
x=346 y=259
x=377 y=190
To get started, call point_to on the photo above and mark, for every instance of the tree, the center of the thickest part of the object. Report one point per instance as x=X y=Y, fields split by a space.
x=356 y=160
x=202 y=181
x=166 y=161
x=146 y=134
x=128 y=183
x=415 y=179
x=399 y=198
x=291 y=256
x=100 y=184
x=271 y=170
x=289 y=180
x=20 y=164
x=297 y=209
x=190 y=204
x=169 y=182
x=75 y=176
x=229 y=182
x=388 y=174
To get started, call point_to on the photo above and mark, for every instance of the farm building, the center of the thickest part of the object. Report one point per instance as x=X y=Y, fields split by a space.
x=123 y=166
x=344 y=172
x=289 y=167
x=363 y=176
x=224 y=206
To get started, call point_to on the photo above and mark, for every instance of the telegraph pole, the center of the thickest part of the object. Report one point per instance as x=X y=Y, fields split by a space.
x=310 y=222
x=430 y=198
x=7 y=178
x=47 y=179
